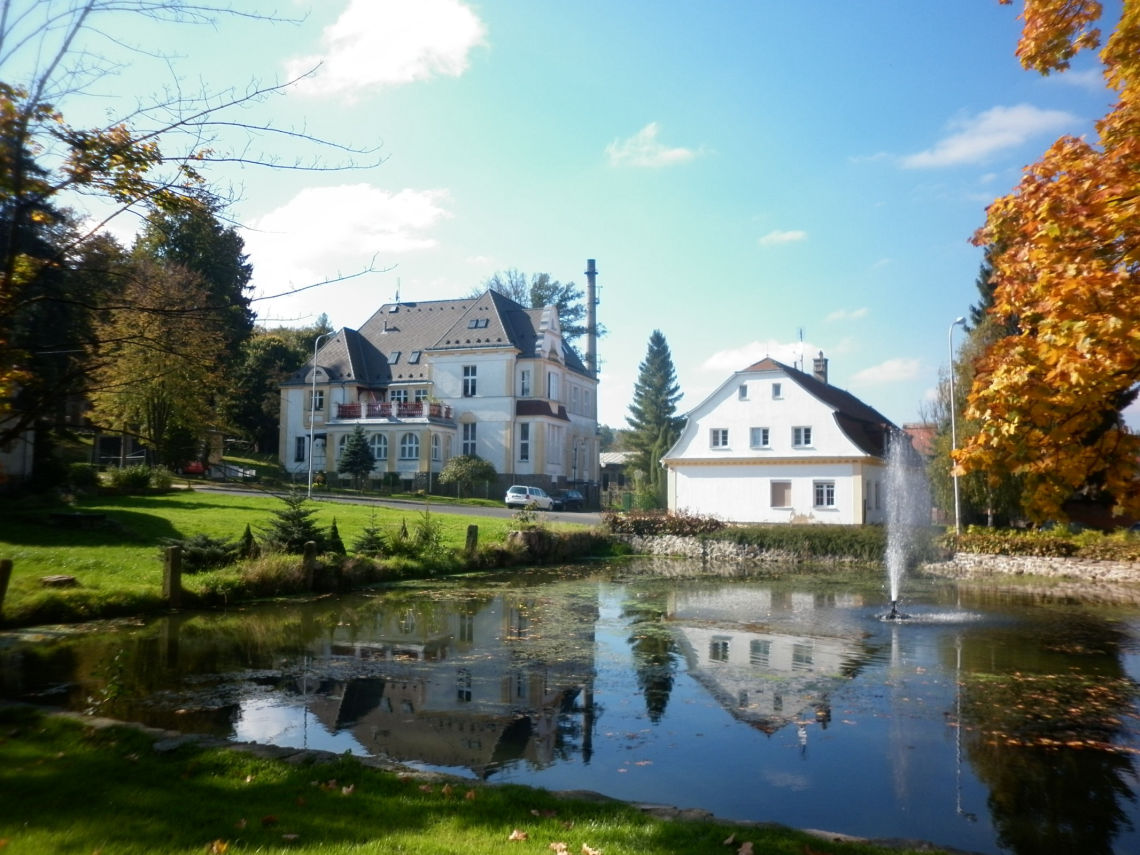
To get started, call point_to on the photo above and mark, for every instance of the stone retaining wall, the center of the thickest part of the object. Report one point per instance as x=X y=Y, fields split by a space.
x=975 y=565
x=717 y=552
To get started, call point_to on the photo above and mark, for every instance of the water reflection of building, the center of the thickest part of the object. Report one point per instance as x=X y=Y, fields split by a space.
x=468 y=684
x=764 y=671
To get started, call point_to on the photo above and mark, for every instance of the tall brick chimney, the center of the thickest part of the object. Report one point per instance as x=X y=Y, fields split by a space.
x=591 y=318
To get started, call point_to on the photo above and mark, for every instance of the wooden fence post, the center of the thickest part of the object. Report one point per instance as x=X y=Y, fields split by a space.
x=309 y=563
x=5 y=575
x=172 y=576
x=472 y=539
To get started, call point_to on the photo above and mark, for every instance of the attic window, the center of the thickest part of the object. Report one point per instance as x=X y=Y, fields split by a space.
x=394 y=357
x=414 y=357
x=478 y=323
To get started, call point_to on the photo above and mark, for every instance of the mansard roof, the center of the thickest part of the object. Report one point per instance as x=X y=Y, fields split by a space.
x=391 y=345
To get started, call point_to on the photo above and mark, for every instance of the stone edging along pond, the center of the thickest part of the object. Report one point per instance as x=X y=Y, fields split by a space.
x=971 y=565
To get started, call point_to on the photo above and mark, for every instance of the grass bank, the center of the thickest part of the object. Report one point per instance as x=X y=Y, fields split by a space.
x=73 y=787
x=111 y=546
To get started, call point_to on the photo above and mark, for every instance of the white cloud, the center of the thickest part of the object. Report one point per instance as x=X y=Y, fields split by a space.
x=781 y=236
x=326 y=231
x=724 y=362
x=390 y=42
x=891 y=371
x=975 y=138
x=848 y=314
x=643 y=149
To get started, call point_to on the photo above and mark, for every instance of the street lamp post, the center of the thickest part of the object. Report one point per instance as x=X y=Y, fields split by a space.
x=313 y=407
x=954 y=426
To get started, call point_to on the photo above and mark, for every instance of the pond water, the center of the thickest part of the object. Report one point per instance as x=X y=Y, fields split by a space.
x=991 y=720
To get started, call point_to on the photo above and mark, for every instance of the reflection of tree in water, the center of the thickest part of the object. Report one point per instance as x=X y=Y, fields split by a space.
x=1043 y=720
x=654 y=652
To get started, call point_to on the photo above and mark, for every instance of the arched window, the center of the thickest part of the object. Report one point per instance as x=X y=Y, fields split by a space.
x=409 y=447
x=378 y=443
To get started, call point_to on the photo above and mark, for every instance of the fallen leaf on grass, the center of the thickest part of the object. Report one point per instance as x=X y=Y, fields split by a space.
x=729 y=840
x=348 y=790
x=745 y=848
x=269 y=820
x=518 y=834
x=426 y=788
x=446 y=790
x=218 y=847
x=588 y=850
x=560 y=848
x=469 y=795
x=537 y=812
x=290 y=837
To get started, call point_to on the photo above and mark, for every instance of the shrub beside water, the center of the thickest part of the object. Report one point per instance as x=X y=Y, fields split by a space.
x=1056 y=543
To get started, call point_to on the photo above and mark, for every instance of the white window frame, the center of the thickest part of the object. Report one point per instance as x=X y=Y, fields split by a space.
x=760 y=437
x=317 y=401
x=777 y=391
x=801 y=436
x=524 y=442
x=398 y=396
x=742 y=392
x=470 y=381
x=409 y=446
x=524 y=383
x=435 y=448
x=823 y=494
x=378 y=445
x=470 y=439
x=718 y=438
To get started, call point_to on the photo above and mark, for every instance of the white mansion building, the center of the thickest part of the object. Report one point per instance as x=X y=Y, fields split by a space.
x=430 y=380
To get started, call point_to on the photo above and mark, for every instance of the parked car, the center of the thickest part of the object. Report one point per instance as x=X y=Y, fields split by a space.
x=569 y=500
x=521 y=496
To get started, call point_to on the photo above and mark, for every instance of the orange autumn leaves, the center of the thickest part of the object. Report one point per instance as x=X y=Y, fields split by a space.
x=1068 y=269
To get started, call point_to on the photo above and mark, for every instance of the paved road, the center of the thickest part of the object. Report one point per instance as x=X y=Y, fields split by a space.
x=580 y=517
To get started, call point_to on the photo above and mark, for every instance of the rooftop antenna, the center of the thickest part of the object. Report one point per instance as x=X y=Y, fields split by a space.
x=801 y=350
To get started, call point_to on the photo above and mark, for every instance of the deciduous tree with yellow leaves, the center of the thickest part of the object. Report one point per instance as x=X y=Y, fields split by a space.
x=1048 y=398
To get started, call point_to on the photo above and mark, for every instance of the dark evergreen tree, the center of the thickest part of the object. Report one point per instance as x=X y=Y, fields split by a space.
x=356 y=459
x=654 y=425
x=371 y=541
x=293 y=526
x=335 y=544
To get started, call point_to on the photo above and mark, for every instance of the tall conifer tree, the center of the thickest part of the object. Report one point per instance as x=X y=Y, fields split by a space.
x=652 y=419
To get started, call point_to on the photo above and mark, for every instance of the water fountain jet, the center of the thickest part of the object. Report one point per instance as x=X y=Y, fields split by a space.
x=908 y=512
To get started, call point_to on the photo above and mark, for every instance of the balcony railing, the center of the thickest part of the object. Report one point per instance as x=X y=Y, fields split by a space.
x=397 y=410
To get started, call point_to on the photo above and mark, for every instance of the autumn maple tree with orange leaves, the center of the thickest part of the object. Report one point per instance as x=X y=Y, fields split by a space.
x=1048 y=398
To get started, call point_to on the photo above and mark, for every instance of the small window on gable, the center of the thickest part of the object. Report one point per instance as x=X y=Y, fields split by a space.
x=718 y=438
x=759 y=437
x=801 y=437
x=742 y=392
x=777 y=390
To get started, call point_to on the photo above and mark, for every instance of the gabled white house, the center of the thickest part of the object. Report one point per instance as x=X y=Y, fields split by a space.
x=430 y=380
x=773 y=444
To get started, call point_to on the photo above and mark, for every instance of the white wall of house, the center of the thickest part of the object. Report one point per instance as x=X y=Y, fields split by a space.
x=761 y=448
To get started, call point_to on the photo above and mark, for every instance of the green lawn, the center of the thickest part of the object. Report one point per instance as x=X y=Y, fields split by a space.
x=117 y=563
x=71 y=788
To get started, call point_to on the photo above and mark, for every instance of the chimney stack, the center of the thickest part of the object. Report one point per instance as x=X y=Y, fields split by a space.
x=819 y=368
x=591 y=318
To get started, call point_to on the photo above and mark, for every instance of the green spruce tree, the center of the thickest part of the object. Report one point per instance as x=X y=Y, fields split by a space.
x=654 y=425
x=356 y=459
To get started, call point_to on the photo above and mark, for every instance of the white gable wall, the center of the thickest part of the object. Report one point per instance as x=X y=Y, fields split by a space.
x=720 y=466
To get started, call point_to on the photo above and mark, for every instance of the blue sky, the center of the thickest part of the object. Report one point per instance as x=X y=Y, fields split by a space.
x=746 y=174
